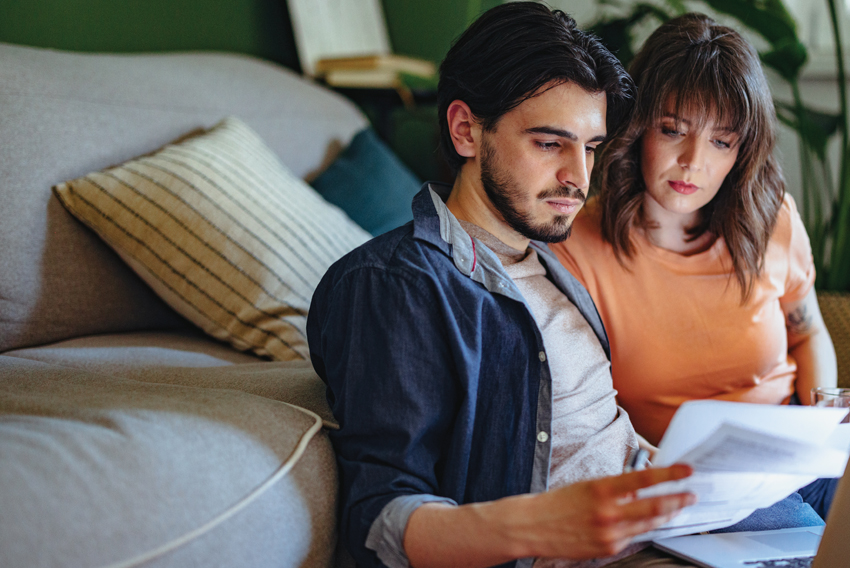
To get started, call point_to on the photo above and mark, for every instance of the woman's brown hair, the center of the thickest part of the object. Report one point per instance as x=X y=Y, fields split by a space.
x=713 y=72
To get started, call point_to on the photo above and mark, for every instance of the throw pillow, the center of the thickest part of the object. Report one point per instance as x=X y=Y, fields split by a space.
x=223 y=232
x=370 y=183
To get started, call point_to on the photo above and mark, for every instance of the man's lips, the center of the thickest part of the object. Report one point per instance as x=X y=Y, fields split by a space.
x=564 y=206
x=683 y=187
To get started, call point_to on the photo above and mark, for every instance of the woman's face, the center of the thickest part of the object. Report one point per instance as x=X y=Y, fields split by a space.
x=683 y=167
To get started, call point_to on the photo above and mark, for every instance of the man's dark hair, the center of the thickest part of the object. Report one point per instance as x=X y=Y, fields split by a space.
x=513 y=50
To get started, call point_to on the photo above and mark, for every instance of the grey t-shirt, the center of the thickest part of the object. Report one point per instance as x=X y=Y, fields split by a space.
x=591 y=435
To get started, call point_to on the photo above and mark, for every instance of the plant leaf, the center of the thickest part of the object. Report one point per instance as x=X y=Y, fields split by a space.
x=616 y=33
x=677 y=6
x=814 y=127
x=769 y=18
x=786 y=58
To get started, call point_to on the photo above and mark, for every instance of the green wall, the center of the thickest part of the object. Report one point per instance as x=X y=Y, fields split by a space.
x=427 y=28
x=258 y=27
x=422 y=28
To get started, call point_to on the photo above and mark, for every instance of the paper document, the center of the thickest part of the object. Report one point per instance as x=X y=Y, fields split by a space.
x=745 y=457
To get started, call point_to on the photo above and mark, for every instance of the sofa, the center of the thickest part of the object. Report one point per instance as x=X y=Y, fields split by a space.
x=129 y=434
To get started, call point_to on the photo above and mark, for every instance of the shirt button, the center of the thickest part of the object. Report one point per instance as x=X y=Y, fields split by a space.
x=542 y=356
x=542 y=437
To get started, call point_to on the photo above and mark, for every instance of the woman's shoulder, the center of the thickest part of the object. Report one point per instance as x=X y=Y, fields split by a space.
x=789 y=224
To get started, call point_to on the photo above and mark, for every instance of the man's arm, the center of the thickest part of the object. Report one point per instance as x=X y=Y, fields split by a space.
x=585 y=520
x=389 y=359
x=810 y=345
x=379 y=341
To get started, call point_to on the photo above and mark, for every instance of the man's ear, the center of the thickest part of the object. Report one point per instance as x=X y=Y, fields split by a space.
x=463 y=128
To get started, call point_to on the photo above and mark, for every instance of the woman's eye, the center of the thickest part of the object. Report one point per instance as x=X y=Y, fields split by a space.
x=722 y=144
x=669 y=131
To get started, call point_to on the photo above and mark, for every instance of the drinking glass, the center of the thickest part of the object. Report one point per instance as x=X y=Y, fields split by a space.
x=832 y=396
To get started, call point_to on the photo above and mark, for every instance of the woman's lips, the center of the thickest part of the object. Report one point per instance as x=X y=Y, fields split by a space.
x=683 y=187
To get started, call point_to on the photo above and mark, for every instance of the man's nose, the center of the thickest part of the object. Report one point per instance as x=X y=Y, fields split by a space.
x=575 y=170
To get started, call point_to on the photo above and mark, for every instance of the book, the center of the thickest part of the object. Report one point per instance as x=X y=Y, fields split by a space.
x=333 y=28
x=370 y=78
x=346 y=44
x=382 y=62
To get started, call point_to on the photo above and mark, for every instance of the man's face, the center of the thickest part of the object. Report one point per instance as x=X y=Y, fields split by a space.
x=536 y=164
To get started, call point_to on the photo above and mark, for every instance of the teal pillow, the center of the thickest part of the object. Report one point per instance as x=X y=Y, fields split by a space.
x=371 y=184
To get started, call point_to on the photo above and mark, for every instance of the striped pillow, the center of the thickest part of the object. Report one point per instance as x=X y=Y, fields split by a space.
x=223 y=232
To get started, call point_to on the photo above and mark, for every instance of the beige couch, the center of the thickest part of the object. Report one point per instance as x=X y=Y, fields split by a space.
x=127 y=436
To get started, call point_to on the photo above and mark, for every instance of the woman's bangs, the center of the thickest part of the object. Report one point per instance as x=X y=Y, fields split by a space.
x=704 y=92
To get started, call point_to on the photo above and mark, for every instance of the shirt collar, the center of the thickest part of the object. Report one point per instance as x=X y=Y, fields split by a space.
x=434 y=223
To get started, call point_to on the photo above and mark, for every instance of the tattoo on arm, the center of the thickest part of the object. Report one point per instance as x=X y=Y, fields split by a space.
x=799 y=322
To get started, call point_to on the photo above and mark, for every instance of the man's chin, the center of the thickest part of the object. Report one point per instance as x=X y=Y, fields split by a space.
x=555 y=238
x=554 y=233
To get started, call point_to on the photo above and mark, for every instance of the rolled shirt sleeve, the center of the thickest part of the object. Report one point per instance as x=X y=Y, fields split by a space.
x=386 y=537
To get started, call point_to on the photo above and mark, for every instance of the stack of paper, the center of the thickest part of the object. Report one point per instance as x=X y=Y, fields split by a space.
x=745 y=457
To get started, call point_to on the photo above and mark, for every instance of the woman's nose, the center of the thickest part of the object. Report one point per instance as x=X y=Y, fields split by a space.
x=691 y=157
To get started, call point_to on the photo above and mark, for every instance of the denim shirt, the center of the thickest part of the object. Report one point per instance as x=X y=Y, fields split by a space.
x=436 y=373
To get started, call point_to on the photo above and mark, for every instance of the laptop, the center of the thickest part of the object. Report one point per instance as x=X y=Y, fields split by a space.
x=808 y=547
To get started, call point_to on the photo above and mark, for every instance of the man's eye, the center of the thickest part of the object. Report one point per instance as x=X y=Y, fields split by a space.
x=590 y=149
x=547 y=145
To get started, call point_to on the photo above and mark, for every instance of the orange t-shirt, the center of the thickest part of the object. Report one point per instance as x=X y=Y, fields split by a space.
x=677 y=328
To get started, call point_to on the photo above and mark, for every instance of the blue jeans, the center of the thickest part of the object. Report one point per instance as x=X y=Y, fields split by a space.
x=820 y=492
x=789 y=513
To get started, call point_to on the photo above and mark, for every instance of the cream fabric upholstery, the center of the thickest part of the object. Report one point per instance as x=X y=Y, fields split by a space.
x=223 y=232
x=67 y=114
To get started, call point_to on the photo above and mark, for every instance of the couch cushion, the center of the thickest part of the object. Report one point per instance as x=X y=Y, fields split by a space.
x=97 y=469
x=119 y=352
x=67 y=114
x=371 y=184
x=187 y=359
x=222 y=232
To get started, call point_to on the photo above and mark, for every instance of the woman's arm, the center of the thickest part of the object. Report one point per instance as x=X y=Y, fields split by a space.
x=810 y=345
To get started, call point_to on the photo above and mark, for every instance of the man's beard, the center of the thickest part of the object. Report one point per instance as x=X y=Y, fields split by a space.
x=505 y=195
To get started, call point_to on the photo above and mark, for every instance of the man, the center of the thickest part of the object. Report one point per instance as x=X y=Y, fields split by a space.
x=467 y=369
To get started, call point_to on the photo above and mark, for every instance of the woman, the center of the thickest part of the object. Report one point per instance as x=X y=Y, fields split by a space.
x=696 y=258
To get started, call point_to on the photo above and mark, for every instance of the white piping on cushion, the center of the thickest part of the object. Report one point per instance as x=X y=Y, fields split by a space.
x=284 y=469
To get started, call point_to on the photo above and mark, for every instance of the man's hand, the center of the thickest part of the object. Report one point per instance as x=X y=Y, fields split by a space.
x=599 y=518
x=590 y=519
